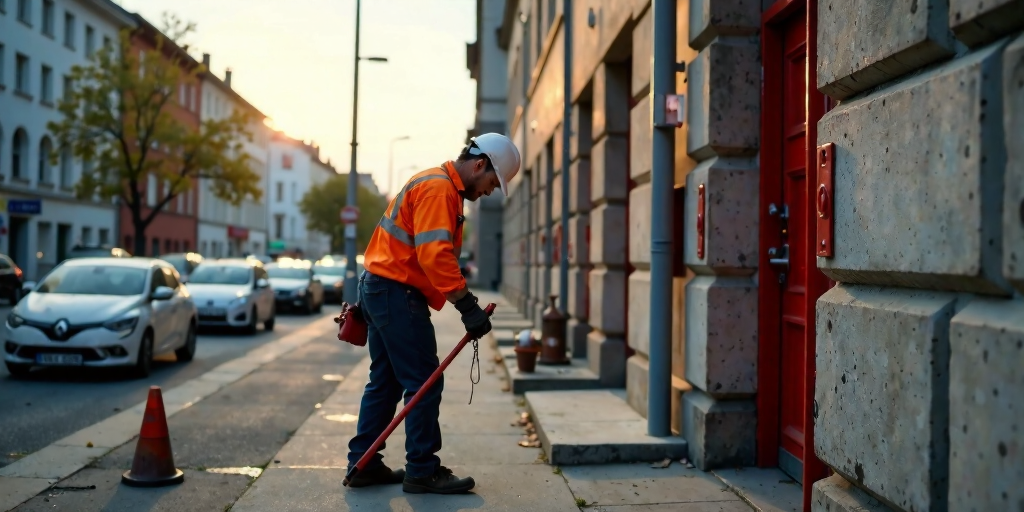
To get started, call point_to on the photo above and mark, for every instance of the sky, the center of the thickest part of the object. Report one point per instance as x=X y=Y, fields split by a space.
x=293 y=60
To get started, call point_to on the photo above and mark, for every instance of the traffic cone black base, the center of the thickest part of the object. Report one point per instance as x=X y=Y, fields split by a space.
x=153 y=465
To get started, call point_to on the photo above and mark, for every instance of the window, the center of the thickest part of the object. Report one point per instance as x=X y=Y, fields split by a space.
x=286 y=161
x=90 y=41
x=48 y=17
x=45 y=148
x=86 y=235
x=106 y=42
x=155 y=249
x=25 y=11
x=21 y=72
x=280 y=192
x=167 y=247
x=65 y=167
x=278 y=226
x=69 y=87
x=19 y=154
x=46 y=85
x=104 y=236
x=294 y=198
x=69 y=30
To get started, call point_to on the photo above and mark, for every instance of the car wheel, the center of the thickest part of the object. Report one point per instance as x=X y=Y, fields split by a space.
x=251 y=328
x=18 y=369
x=269 y=324
x=188 y=351
x=144 y=360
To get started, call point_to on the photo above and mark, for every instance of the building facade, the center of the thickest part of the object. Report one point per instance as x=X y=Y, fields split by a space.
x=226 y=230
x=847 y=231
x=487 y=63
x=40 y=41
x=294 y=168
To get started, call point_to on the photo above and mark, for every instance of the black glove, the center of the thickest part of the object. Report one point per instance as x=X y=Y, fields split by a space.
x=473 y=316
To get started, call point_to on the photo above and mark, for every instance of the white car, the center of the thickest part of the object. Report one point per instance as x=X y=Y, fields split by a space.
x=102 y=312
x=233 y=293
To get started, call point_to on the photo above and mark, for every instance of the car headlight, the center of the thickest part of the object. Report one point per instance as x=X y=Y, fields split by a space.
x=238 y=301
x=123 y=326
x=15 y=321
x=338 y=284
x=301 y=292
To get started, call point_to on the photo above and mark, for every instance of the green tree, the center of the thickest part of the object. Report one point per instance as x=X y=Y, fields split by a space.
x=122 y=117
x=322 y=206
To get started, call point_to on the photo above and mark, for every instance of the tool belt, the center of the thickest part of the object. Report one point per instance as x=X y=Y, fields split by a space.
x=351 y=325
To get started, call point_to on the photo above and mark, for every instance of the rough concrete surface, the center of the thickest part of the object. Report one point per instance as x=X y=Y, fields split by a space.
x=609 y=169
x=639 y=311
x=978 y=22
x=903 y=174
x=768 y=489
x=986 y=461
x=610 y=115
x=578 y=299
x=883 y=367
x=638 y=371
x=608 y=243
x=576 y=375
x=835 y=494
x=580 y=140
x=713 y=18
x=878 y=40
x=615 y=485
x=640 y=138
x=579 y=186
x=199 y=491
x=1013 y=198
x=724 y=102
x=731 y=220
x=578 y=330
x=721 y=335
x=607 y=297
x=720 y=433
x=640 y=214
x=606 y=356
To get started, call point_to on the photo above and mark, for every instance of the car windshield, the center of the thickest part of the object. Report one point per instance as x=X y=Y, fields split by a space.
x=219 y=274
x=329 y=270
x=288 y=272
x=179 y=262
x=95 y=280
x=89 y=252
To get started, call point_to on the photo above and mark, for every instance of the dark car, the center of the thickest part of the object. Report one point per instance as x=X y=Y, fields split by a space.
x=184 y=263
x=11 y=279
x=97 y=251
x=332 y=275
x=295 y=286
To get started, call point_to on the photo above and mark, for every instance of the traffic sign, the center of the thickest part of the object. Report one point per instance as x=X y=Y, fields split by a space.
x=349 y=214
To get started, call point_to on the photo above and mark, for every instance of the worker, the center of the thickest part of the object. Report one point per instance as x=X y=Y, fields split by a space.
x=411 y=265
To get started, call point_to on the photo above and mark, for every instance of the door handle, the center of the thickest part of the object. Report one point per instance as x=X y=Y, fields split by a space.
x=780 y=258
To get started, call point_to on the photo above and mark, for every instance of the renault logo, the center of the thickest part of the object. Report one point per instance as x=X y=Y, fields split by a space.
x=61 y=328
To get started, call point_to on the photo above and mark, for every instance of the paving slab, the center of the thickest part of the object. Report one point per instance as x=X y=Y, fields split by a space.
x=596 y=427
x=53 y=462
x=498 y=488
x=199 y=491
x=640 y=484
x=700 y=506
x=511 y=324
x=573 y=376
x=331 y=420
x=768 y=489
x=14 y=490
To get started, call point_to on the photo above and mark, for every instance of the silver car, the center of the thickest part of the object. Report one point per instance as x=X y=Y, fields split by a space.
x=233 y=293
x=102 y=312
x=295 y=286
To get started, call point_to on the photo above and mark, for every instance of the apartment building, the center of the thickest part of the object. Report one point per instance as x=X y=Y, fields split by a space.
x=295 y=167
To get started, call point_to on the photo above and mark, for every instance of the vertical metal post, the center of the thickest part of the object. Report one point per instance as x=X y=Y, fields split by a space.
x=663 y=77
x=563 y=284
x=349 y=290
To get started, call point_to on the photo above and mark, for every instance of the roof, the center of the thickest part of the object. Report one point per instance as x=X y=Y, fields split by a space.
x=135 y=262
x=114 y=11
x=150 y=32
x=209 y=77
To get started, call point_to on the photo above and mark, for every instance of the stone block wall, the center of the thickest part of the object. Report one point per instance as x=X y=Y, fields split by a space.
x=579 y=230
x=919 y=348
x=609 y=172
x=723 y=119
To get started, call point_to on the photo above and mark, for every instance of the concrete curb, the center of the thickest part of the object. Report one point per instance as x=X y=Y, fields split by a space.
x=38 y=471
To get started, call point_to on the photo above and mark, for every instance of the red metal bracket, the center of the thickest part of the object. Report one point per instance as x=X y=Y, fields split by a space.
x=700 y=221
x=825 y=199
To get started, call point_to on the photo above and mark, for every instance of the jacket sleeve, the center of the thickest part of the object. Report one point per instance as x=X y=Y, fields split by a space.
x=434 y=229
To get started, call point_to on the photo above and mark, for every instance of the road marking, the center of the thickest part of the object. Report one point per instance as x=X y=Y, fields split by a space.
x=25 y=478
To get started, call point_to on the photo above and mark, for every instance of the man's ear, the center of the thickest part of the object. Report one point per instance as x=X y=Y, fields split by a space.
x=480 y=166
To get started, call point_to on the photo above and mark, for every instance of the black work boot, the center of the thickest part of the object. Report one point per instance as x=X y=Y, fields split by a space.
x=377 y=475
x=441 y=482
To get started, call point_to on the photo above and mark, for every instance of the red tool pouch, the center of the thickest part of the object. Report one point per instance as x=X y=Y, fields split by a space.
x=351 y=325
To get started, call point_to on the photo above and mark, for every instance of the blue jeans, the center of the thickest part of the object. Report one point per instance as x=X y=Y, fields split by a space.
x=403 y=355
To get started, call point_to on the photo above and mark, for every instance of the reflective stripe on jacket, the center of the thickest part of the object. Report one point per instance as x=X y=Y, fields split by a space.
x=419 y=238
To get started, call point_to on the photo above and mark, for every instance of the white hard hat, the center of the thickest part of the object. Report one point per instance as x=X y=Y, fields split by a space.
x=502 y=153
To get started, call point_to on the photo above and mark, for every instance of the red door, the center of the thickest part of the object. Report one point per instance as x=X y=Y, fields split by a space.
x=789 y=281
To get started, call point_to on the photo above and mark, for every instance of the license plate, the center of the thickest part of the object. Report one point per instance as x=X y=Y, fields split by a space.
x=211 y=311
x=60 y=359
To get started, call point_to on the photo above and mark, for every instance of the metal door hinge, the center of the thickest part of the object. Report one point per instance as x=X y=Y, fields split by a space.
x=825 y=200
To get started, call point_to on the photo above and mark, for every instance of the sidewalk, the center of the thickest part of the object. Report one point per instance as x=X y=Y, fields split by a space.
x=480 y=440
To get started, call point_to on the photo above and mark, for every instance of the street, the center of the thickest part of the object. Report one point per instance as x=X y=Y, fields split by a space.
x=55 y=402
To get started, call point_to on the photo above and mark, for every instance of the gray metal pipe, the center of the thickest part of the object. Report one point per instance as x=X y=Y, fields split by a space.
x=663 y=77
x=349 y=290
x=563 y=284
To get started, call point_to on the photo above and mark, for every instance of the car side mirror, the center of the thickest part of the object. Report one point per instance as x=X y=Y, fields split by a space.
x=162 y=293
x=27 y=287
x=262 y=283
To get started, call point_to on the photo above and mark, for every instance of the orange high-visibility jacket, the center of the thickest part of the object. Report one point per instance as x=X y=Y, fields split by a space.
x=419 y=238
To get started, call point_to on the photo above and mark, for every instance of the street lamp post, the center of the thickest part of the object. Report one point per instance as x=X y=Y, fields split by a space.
x=391 y=163
x=349 y=290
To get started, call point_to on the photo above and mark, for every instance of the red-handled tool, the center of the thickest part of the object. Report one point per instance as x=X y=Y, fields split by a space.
x=365 y=459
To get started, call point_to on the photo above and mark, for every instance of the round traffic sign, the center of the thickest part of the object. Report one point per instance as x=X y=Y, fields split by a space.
x=349 y=214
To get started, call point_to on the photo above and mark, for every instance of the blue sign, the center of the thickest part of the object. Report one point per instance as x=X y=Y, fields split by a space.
x=25 y=206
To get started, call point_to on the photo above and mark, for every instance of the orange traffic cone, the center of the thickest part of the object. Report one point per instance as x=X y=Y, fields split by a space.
x=153 y=465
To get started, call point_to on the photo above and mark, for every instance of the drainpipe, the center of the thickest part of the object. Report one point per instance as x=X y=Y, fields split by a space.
x=563 y=284
x=663 y=77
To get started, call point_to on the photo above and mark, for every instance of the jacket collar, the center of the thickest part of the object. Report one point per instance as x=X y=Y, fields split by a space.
x=449 y=168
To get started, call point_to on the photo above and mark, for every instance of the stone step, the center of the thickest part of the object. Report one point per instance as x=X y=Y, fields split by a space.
x=576 y=375
x=515 y=324
x=596 y=427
